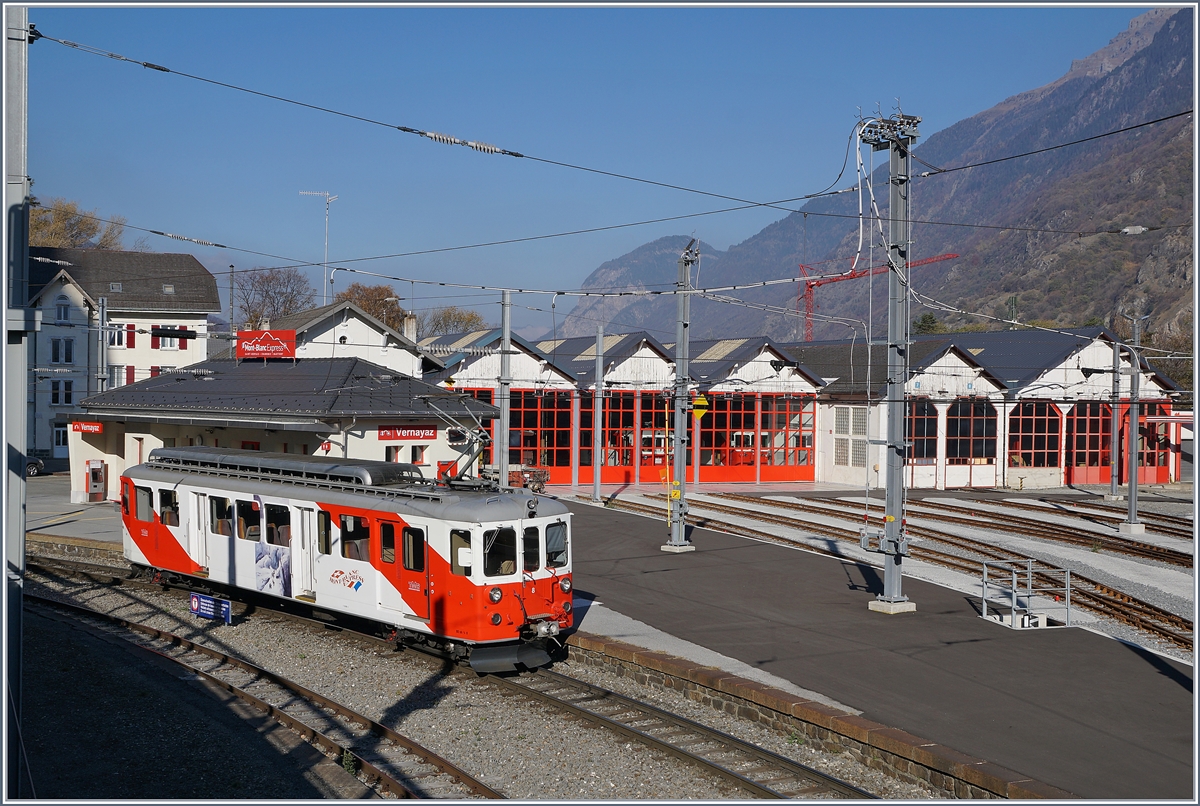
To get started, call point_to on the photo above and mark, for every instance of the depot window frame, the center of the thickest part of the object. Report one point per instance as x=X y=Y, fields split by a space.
x=922 y=432
x=971 y=424
x=1088 y=434
x=787 y=429
x=539 y=428
x=728 y=434
x=1034 y=434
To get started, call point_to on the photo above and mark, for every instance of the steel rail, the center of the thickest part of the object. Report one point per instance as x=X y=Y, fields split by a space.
x=1170 y=525
x=388 y=781
x=1047 y=531
x=675 y=733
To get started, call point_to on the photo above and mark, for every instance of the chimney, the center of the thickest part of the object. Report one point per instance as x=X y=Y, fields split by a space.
x=409 y=328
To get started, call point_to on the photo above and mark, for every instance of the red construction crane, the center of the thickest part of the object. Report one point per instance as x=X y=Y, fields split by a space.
x=809 y=285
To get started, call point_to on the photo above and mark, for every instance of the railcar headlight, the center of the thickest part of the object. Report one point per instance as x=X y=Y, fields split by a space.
x=565 y=584
x=496 y=618
x=495 y=594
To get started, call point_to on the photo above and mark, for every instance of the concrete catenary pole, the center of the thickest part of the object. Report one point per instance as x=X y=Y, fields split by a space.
x=1114 y=440
x=22 y=321
x=896 y=134
x=678 y=500
x=598 y=414
x=1131 y=524
x=505 y=401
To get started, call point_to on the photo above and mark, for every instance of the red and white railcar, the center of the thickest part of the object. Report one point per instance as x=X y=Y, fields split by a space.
x=471 y=571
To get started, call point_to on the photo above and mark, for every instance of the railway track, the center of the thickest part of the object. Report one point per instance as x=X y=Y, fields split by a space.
x=1168 y=525
x=758 y=771
x=387 y=760
x=1086 y=593
x=1026 y=527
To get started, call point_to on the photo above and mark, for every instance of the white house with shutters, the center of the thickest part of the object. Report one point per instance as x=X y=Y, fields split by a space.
x=75 y=354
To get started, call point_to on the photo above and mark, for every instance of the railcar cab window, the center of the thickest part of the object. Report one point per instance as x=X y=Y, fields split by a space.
x=279 y=525
x=248 y=516
x=168 y=508
x=556 y=545
x=531 y=549
x=499 y=552
x=220 y=516
x=460 y=539
x=356 y=535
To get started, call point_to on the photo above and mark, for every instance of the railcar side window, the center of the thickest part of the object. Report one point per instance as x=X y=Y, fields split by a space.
x=145 y=504
x=220 y=521
x=168 y=507
x=387 y=542
x=531 y=549
x=248 y=516
x=459 y=539
x=356 y=534
x=324 y=537
x=499 y=552
x=279 y=525
x=556 y=545
x=414 y=549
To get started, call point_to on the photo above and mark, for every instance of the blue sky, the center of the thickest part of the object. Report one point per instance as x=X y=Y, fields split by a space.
x=753 y=103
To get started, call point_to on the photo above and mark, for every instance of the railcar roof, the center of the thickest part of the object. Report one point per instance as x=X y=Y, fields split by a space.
x=370 y=472
x=422 y=500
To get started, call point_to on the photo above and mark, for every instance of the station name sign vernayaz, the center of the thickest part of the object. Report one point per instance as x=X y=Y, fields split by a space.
x=398 y=433
x=266 y=344
x=88 y=428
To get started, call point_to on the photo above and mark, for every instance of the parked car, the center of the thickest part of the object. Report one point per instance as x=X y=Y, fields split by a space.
x=34 y=466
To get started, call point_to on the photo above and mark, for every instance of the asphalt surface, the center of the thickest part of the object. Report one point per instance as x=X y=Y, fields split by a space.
x=1082 y=712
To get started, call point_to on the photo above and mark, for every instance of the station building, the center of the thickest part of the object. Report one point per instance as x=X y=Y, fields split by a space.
x=310 y=390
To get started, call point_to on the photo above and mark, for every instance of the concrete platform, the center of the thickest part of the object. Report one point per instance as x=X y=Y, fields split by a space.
x=1067 y=707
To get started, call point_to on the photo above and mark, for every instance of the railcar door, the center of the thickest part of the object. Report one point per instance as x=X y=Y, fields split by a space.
x=196 y=530
x=404 y=562
x=302 y=554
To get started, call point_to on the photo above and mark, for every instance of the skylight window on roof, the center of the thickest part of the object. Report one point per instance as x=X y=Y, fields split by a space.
x=114 y=287
x=168 y=288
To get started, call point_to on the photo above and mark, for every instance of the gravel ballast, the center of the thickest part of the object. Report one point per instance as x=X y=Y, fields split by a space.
x=524 y=750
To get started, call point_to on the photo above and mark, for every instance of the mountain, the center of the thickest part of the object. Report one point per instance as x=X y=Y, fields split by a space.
x=1021 y=225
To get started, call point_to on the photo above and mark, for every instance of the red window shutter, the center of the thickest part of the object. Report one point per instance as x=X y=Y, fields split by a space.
x=129 y=334
x=153 y=342
x=153 y=372
x=129 y=373
x=181 y=343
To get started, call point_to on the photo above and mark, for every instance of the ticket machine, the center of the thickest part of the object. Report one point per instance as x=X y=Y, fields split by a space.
x=97 y=481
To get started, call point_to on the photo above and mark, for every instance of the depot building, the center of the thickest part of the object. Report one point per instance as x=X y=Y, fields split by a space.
x=1019 y=409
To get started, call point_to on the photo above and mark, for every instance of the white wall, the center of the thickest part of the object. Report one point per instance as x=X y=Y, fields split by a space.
x=344 y=335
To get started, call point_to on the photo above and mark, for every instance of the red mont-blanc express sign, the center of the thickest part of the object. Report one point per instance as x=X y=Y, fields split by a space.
x=266 y=344
x=403 y=434
x=88 y=428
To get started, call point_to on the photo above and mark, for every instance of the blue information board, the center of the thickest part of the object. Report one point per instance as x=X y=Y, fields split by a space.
x=210 y=607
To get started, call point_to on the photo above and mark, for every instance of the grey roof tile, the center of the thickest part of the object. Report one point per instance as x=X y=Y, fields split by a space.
x=142 y=277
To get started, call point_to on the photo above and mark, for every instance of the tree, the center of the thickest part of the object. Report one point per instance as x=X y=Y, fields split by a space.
x=451 y=319
x=927 y=323
x=60 y=223
x=380 y=301
x=264 y=294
